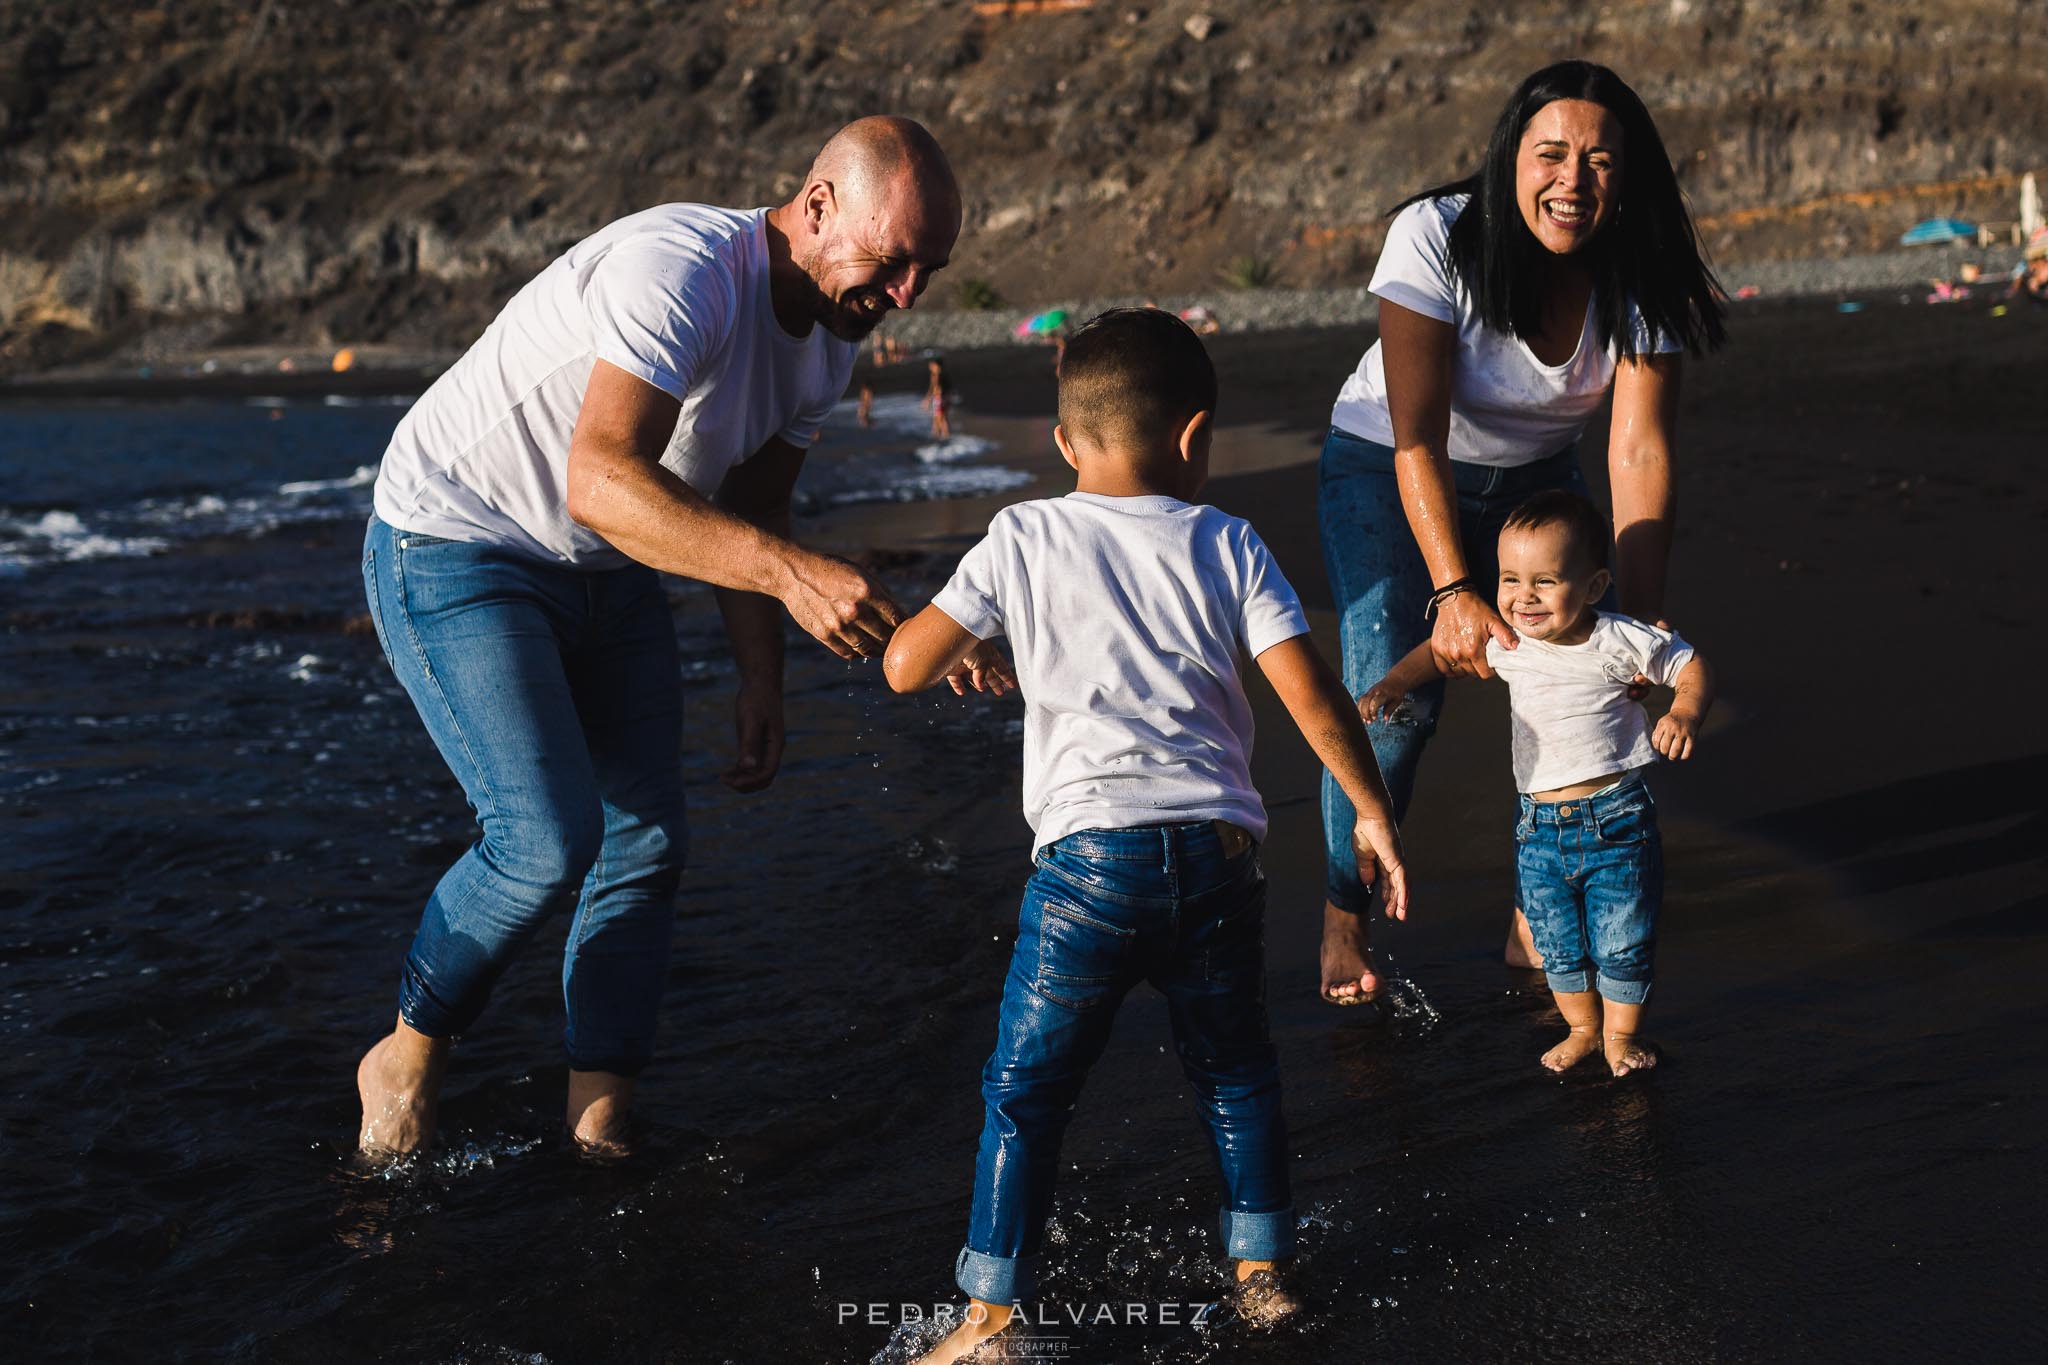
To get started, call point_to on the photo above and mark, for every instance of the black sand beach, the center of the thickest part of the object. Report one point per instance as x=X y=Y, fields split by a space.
x=212 y=865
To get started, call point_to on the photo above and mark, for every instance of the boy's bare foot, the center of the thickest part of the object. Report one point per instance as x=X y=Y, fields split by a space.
x=399 y=1081
x=1349 y=976
x=598 y=1102
x=1627 y=1053
x=1521 y=949
x=1578 y=1045
x=977 y=1325
x=1262 y=1297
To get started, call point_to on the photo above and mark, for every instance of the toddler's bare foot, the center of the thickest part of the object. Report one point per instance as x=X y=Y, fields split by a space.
x=1578 y=1045
x=1626 y=1053
x=1521 y=949
x=399 y=1082
x=1263 y=1298
x=981 y=1322
x=1349 y=976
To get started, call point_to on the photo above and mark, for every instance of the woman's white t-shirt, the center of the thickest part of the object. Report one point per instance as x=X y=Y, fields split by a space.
x=676 y=296
x=1507 y=407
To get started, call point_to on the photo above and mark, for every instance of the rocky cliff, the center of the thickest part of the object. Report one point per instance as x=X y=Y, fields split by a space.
x=327 y=171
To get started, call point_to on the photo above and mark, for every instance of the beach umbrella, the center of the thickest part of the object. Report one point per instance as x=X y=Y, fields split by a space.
x=1937 y=231
x=1049 y=321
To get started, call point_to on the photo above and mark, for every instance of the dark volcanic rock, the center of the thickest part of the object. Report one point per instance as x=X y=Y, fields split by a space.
x=321 y=172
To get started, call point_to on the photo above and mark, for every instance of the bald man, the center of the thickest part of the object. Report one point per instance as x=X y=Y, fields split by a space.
x=642 y=405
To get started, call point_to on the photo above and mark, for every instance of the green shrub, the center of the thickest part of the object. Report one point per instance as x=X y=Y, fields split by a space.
x=979 y=296
x=1251 y=272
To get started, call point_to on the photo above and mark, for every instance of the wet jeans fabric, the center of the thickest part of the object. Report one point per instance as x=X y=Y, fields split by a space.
x=1591 y=875
x=555 y=698
x=1381 y=585
x=1105 y=910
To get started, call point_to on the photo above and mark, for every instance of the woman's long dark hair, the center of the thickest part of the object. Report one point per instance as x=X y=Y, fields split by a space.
x=1647 y=254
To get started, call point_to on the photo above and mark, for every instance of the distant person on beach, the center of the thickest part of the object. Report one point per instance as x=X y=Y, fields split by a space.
x=1589 y=862
x=1511 y=302
x=2031 y=279
x=1132 y=613
x=641 y=407
x=935 y=401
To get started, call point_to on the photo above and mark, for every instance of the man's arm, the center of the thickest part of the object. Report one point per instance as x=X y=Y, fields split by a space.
x=1694 y=686
x=618 y=488
x=758 y=492
x=1328 y=720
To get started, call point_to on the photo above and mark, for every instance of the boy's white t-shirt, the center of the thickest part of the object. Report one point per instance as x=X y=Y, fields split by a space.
x=676 y=296
x=1573 y=720
x=1507 y=407
x=1129 y=621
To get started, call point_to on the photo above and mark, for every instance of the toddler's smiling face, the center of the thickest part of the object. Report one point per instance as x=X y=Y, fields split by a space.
x=1546 y=586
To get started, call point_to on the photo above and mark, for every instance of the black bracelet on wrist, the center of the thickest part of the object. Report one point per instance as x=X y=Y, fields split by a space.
x=1450 y=589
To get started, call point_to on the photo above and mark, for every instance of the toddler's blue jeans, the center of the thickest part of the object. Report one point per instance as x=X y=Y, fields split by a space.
x=1105 y=910
x=1591 y=876
x=555 y=697
x=1381 y=586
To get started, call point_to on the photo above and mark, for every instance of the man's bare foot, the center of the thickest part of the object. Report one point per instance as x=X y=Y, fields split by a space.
x=1521 y=949
x=399 y=1081
x=977 y=1325
x=1263 y=1299
x=1578 y=1045
x=1627 y=1053
x=1349 y=976
x=598 y=1104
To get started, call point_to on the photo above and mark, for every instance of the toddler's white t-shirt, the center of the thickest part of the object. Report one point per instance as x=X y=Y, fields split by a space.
x=1507 y=407
x=676 y=296
x=1129 y=621
x=1573 y=720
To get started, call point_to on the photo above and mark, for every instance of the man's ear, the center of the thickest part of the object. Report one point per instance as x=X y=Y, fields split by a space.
x=1059 y=438
x=820 y=201
x=1194 y=437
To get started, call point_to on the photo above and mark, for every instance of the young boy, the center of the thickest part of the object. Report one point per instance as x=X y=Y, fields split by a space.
x=1588 y=858
x=1130 y=612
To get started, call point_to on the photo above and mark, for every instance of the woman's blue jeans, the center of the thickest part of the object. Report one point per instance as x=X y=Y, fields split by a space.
x=555 y=697
x=1381 y=586
x=1105 y=910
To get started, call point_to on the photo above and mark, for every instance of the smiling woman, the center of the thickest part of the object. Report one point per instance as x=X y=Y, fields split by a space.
x=1511 y=303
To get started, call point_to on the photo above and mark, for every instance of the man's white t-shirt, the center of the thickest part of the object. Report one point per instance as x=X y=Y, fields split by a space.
x=1507 y=407
x=1572 y=717
x=676 y=296
x=1129 y=620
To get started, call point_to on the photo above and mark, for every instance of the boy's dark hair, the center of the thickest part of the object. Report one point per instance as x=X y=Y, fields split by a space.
x=1648 y=254
x=1134 y=376
x=1581 y=520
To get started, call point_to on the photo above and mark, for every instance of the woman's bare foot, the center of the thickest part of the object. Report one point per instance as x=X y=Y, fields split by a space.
x=1521 y=949
x=399 y=1081
x=598 y=1103
x=1578 y=1045
x=1349 y=976
x=977 y=1325
x=1263 y=1298
x=1627 y=1053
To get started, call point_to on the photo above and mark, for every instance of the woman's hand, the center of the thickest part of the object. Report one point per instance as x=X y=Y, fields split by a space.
x=1464 y=624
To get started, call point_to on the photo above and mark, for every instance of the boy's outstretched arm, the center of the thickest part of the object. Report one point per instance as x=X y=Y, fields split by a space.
x=1329 y=721
x=1416 y=668
x=931 y=646
x=1695 y=688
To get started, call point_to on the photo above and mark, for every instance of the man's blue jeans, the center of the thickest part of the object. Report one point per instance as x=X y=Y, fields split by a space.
x=1591 y=876
x=555 y=697
x=1381 y=586
x=1105 y=910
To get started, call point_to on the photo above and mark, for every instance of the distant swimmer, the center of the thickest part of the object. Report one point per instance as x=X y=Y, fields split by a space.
x=643 y=406
x=1512 y=303
x=935 y=401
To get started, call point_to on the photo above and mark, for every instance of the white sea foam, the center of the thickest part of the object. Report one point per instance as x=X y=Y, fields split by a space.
x=365 y=474
x=954 y=448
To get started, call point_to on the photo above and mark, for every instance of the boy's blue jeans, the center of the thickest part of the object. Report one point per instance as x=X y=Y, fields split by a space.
x=1381 y=585
x=1591 y=875
x=1105 y=910
x=555 y=697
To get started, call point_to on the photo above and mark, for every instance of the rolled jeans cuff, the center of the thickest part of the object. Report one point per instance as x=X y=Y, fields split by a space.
x=1257 y=1236
x=995 y=1279
x=1570 y=983
x=1623 y=992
